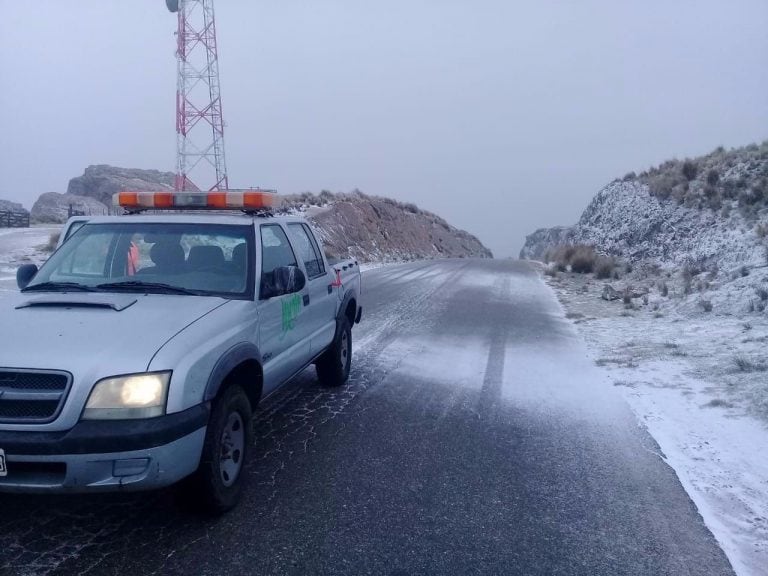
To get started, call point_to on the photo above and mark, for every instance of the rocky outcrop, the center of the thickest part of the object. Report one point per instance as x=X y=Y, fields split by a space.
x=706 y=213
x=54 y=208
x=538 y=243
x=377 y=229
x=626 y=221
x=8 y=206
x=101 y=182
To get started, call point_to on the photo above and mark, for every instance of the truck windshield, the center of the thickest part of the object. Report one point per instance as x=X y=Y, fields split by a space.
x=197 y=259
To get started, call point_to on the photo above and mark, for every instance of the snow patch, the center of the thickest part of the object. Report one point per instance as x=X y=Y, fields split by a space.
x=680 y=372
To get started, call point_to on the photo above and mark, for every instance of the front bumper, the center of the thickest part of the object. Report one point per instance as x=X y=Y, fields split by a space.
x=106 y=455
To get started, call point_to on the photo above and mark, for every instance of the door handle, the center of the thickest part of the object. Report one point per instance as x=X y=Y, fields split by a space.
x=330 y=288
x=306 y=299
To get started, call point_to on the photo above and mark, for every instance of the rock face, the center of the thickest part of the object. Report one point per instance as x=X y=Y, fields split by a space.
x=101 y=182
x=8 y=206
x=715 y=217
x=537 y=244
x=383 y=230
x=53 y=207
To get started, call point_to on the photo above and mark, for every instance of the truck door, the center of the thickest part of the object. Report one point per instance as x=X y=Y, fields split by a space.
x=283 y=350
x=323 y=299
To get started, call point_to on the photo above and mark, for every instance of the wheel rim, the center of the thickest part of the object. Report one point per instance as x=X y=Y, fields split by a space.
x=232 y=448
x=344 y=350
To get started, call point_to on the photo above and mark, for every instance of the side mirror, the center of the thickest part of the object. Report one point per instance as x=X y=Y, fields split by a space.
x=25 y=274
x=283 y=280
x=291 y=278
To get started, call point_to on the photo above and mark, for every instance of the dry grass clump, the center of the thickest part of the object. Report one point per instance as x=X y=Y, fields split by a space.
x=717 y=181
x=581 y=259
x=560 y=257
x=53 y=241
x=744 y=364
x=605 y=267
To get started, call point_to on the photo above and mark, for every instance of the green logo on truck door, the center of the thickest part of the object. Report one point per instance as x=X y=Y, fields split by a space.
x=291 y=310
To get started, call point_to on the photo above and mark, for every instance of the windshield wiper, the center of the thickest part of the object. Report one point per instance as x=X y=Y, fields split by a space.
x=137 y=286
x=59 y=287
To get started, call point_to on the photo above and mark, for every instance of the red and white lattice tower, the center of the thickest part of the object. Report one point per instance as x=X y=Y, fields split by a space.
x=200 y=160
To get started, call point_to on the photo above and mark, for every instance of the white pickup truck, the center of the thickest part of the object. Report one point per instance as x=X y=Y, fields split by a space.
x=134 y=358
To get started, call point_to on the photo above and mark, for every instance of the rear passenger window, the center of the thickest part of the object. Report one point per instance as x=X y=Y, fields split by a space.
x=309 y=252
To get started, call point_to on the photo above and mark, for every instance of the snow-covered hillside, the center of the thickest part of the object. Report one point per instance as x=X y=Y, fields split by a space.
x=625 y=220
x=700 y=225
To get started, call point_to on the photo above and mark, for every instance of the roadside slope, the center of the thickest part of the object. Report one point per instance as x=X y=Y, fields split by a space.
x=700 y=225
x=354 y=225
x=374 y=229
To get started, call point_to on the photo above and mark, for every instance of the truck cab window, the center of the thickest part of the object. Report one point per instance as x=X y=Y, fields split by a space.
x=276 y=252
x=308 y=251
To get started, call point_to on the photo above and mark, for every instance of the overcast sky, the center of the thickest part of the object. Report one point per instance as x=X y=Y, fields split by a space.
x=500 y=115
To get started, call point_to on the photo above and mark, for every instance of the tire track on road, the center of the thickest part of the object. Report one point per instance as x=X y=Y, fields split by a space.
x=287 y=425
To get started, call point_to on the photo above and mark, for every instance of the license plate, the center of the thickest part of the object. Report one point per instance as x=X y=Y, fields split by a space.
x=3 y=469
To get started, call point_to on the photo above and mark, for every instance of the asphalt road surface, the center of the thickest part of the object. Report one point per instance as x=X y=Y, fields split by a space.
x=475 y=437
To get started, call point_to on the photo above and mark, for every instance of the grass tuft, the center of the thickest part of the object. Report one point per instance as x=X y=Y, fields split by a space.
x=53 y=241
x=744 y=364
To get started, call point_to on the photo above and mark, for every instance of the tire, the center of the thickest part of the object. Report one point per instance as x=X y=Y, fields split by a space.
x=334 y=365
x=217 y=484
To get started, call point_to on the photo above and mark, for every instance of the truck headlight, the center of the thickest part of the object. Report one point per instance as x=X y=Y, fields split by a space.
x=132 y=396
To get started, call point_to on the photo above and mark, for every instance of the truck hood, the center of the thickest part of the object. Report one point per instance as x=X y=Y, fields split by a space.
x=75 y=331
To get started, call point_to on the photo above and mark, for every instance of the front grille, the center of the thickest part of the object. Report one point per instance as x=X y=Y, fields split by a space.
x=20 y=409
x=33 y=380
x=32 y=396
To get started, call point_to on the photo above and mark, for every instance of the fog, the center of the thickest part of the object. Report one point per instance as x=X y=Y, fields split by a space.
x=500 y=116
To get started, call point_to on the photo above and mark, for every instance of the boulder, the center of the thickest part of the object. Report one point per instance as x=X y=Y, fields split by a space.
x=101 y=182
x=630 y=293
x=610 y=293
x=53 y=207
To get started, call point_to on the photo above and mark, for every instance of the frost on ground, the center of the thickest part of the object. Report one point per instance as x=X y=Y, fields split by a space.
x=699 y=381
x=21 y=246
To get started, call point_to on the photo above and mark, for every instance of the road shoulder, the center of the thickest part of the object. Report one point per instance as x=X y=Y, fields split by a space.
x=686 y=379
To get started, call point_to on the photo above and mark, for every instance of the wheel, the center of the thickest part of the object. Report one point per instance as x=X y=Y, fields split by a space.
x=218 y=482
x=334 y=365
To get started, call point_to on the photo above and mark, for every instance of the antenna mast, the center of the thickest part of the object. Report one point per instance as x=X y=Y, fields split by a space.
x=200 y=160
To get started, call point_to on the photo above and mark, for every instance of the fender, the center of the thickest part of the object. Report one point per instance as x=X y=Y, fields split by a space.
x=236 y=355
x=349 y=296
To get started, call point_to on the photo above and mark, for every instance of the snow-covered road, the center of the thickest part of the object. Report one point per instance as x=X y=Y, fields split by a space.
x=19 y=246
x=476 y=436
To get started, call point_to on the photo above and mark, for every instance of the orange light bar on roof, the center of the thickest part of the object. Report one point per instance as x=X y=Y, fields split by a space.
x=247 y=200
